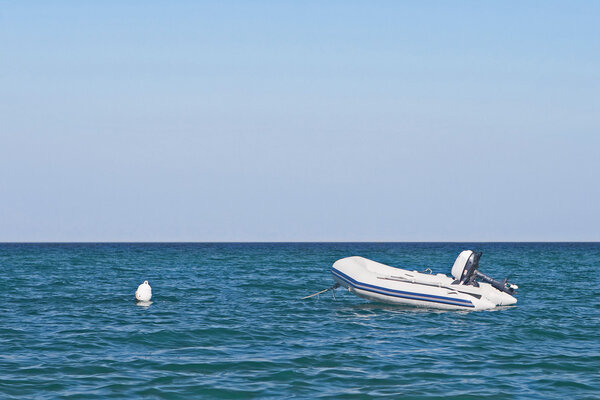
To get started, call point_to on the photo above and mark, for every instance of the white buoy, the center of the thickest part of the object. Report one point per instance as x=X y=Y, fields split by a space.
x=143 y=292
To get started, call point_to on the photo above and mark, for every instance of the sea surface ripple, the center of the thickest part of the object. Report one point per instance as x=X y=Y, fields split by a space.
x=226 y=321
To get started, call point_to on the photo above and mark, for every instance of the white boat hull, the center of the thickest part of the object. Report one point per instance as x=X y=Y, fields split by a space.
x=379 y=282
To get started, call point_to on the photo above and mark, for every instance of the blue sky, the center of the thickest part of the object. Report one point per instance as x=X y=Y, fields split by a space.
x=299 y=121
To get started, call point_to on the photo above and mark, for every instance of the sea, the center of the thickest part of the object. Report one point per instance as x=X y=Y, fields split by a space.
x=227 y=320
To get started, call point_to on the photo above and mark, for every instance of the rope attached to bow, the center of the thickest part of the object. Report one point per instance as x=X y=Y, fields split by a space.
x=337 y=285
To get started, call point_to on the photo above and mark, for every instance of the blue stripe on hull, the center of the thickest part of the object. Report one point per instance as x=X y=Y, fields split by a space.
x=400 y=293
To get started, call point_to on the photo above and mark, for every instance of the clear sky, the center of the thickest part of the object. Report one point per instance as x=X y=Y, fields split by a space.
x=299 y=121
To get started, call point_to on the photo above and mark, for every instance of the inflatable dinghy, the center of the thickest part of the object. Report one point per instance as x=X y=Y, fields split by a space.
x=467 y=289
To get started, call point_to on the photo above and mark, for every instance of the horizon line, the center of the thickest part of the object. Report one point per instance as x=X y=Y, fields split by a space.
x=296 y=241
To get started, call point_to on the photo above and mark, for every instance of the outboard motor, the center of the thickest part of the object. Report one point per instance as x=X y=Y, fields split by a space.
x=464 y=265
x=465 y=271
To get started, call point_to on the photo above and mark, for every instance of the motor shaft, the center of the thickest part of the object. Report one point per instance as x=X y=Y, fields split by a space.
x=497 y=284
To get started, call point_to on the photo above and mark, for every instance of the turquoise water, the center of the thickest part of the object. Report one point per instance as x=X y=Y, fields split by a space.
x=227 y=322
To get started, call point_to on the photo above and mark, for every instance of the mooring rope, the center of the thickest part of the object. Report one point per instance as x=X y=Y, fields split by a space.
x=337 y=285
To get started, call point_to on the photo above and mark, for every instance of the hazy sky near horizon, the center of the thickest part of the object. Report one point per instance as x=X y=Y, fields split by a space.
x=299 y=121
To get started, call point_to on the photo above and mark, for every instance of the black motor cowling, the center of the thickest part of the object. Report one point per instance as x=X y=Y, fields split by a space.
x=468 y=275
